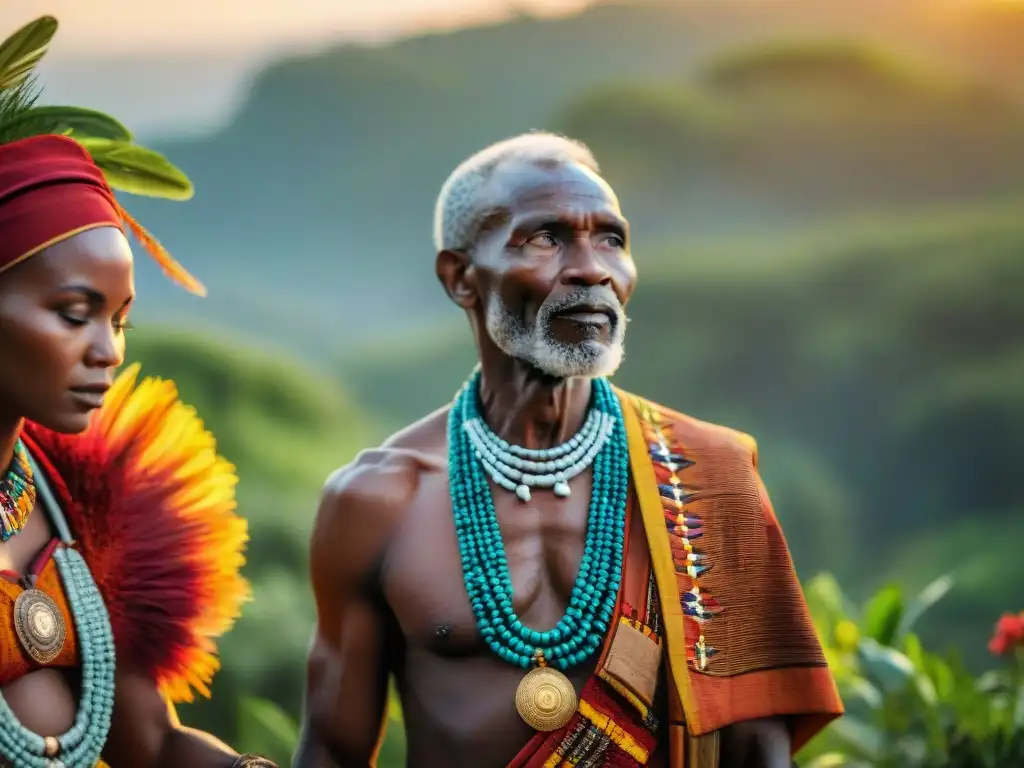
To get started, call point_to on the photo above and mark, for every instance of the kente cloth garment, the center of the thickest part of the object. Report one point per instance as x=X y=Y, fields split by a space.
x=711 y=627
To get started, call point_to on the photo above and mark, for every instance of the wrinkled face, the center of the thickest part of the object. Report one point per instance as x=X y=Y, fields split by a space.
x=554 y=272
x=62 y=319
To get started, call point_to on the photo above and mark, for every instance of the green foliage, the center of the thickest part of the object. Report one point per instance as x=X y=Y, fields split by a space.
x=266 y=729
x=906 y=706
x=15 y=102
x=20 y=52
x=137 y=170
x=882 y=615
x=285 y=431
x=127 y=166
x=74 y=121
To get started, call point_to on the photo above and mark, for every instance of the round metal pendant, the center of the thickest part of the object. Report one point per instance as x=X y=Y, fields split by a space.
x=39 y=625
x=546 y=699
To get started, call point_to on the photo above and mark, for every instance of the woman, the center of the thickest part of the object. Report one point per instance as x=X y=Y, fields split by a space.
x=120 y=548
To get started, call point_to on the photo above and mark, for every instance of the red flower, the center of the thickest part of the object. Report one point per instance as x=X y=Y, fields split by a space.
x=1009 y=634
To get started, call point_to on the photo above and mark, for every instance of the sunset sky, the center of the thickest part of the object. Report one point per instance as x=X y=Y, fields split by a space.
x=177 y=67
x=183 y=66
x=128 y=27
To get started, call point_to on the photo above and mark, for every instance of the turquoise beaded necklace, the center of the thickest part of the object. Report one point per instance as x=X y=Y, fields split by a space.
x=582 y=629
x=81 y=745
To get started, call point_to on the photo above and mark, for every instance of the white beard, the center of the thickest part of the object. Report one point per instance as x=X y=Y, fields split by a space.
x=536 y=345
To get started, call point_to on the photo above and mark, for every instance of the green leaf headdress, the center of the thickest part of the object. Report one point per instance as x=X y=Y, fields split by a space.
x=127 y=166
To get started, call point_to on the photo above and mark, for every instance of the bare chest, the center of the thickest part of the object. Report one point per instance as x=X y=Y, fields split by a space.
x=543 y=542
x=458 y=696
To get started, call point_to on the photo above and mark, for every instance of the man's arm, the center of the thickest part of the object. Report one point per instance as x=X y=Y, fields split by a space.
x=762 y=743
x=347 y=672
x=347 y=676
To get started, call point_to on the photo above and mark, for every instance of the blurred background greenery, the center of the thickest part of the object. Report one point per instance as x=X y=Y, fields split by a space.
x=827 y=204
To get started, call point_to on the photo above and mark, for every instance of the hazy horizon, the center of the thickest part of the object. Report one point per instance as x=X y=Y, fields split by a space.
x=119 y=28
x=186 y=70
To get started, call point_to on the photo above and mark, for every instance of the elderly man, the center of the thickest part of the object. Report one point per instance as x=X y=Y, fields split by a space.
x=556 y=572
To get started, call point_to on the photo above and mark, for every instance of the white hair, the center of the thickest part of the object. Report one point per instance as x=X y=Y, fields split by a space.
x=467 y=197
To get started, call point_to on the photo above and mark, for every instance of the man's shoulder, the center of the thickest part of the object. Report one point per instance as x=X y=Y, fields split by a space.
x=364 y=504
x=385 y=478
x=693 y=432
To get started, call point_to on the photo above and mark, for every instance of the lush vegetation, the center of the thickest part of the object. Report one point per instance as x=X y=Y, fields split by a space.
x=829 y=240
x=907 y=706
x=317 y=198
x=285 y=431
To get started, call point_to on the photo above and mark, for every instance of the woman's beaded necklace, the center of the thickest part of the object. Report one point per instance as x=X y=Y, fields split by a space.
x=582 y=629
x=81 y=745
x=17 y=493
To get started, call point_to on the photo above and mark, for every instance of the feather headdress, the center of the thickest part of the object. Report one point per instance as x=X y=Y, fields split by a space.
x=125 y=165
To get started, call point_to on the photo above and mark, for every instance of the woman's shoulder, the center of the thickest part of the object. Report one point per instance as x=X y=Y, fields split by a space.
x=152 y=506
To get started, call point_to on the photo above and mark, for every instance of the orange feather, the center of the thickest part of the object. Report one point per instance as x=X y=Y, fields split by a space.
x=153 y=509
x=167 y=263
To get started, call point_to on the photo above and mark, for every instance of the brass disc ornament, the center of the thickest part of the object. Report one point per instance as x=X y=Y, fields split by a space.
x=39 y=625
x=545 y=699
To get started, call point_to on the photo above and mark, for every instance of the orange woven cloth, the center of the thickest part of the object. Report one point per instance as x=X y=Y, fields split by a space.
x=739 y=637
x=14 y=662
x=736 y=636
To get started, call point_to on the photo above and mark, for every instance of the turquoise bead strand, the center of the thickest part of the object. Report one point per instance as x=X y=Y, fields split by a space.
x=591 y=607
x=83 y=743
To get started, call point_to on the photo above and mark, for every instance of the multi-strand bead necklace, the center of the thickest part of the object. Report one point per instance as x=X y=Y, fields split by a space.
x=519 y=469
x=545 y=698
x=17 y=494
x=40 y=629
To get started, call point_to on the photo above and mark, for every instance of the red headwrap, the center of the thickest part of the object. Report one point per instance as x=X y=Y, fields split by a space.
x=50 y=190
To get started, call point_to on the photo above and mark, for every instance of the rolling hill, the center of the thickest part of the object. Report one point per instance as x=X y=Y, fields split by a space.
x=314 y=205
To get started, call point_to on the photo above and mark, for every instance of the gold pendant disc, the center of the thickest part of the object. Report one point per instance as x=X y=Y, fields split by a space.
x=546 y=699
x=39 y=625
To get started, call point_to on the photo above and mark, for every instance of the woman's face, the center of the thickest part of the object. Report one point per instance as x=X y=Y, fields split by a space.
x=63 y=314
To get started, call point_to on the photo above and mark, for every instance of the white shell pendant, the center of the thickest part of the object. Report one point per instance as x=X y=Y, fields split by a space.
x=521 y=470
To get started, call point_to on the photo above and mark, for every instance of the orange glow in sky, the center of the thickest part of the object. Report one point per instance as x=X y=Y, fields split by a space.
x=138 y=26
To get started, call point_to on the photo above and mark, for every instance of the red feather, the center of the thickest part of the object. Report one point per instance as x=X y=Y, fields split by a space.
x=152 y=506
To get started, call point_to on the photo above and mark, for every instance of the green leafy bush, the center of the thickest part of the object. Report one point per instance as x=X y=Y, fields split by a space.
x=908 y=707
